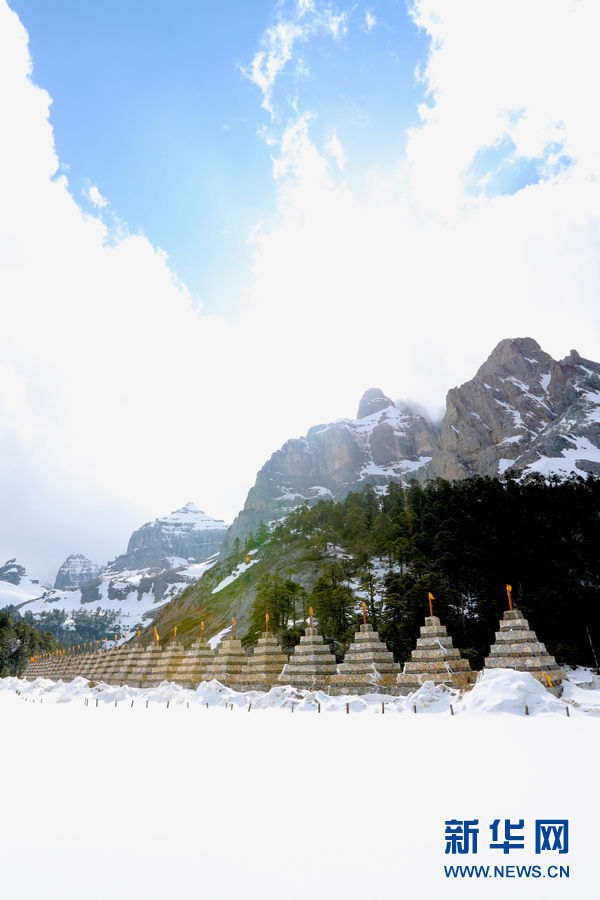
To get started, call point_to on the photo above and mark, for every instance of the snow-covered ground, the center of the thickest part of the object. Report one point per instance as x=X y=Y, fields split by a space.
x=141 y=799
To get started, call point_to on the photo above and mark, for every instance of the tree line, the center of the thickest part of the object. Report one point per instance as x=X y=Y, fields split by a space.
x=19 y=641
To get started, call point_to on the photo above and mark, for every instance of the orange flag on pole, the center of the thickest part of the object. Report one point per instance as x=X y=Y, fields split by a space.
x=431 y=599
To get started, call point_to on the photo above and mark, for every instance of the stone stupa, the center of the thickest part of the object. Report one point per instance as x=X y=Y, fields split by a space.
x=435 y=659
x=517 y=647
x=198 y=659
x=312 y=664
x=265 y=663
x=368 y=665
x=230 y=662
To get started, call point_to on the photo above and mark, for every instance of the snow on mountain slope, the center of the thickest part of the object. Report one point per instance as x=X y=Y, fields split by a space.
x=131 y=600
x=522 y=410
x=16 y=587
x=570 y=444
x=163 y=557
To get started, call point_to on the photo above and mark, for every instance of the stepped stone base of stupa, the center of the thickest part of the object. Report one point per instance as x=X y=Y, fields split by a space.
x=140 y=660
x=229 y=663
x=150 y=671
x=167 y=665
x=311 y=665
x=368 y=667
x=195 y=664
x=265 y=664
x=435 y=659
x=517 y=647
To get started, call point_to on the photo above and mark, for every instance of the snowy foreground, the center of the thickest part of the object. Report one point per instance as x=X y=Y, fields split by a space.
x=204 y=797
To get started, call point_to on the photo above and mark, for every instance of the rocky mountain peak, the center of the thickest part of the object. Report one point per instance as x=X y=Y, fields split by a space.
x=12 y=572
x=384 y=443
x=190 y=517
x=372 y=401
x=523 y=410
x=186 y=535
x=75 y=571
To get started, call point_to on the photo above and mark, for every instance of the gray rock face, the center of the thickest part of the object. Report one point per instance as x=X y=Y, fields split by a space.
x=382 y=444
x=186 y=535
x=522 y=410
x=75 y=571
x=372 y=401
x=12 y=572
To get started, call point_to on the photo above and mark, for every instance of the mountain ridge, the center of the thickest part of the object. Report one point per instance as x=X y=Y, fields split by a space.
x=522 y=410
x=163 y=557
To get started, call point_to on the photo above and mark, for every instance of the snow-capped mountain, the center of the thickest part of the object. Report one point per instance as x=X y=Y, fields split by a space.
x=75 y=571
x=186 y=535
x=385 y=442
x=163 y=557
x=523 y=410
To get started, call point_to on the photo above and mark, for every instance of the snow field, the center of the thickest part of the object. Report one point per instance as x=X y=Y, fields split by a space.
x=124 y=802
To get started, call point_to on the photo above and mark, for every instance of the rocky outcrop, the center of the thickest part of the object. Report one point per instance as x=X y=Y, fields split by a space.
x=12 y=572
x=372 y=401
x=384 y=443
x=522 y=410
x=75 y=571
x=186 y=535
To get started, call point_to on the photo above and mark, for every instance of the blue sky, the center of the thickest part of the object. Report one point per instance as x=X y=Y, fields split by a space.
x=151 y=104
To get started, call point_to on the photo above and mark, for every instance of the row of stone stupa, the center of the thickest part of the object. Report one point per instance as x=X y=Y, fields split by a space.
x=368 y=665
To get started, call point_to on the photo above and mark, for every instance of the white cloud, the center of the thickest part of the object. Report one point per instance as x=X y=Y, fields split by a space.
x=334 y=149
x=370 y=21
x=95 y=197
x=526 y=72
x=296 y=24
x=410 y=282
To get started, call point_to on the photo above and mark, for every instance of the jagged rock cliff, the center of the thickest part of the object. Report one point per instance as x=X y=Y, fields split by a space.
x=522 y=410
x=75 y=571
x=186 y=535
x=384 y=443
